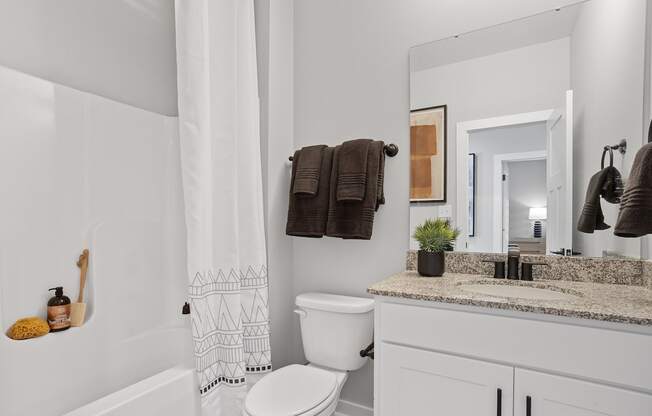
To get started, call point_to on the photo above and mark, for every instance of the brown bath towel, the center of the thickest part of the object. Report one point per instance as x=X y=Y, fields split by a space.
x=352 y=170
x=355 y=219
x=635 y=216
x=592 y=217
x=307 y=215
x=308 y=169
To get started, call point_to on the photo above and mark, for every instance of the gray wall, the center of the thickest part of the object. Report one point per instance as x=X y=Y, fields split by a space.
x=486 y=144
x=608 y=84
x=351 y=80
x=119 y=49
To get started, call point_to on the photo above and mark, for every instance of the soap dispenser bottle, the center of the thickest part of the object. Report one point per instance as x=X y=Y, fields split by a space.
x=59 y=311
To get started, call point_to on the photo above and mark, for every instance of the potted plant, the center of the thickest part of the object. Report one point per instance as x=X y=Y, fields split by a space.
x=435 y=236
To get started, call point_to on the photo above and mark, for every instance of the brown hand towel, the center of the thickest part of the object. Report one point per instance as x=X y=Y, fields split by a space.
x=308 y=163
x=307 y=215
x=635 y=216
x=355 y=219
x=612 y=189
x=592 y=217
x=352 y=170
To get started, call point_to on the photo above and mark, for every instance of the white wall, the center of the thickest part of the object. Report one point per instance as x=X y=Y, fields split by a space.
x=486 y=144
x=351 y=79
x=120 y=49
x=527 y=188
x=80 y=171
x=521 y=80
x=608 y=84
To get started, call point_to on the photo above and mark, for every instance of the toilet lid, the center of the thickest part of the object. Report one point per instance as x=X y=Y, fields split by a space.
x=291 y=390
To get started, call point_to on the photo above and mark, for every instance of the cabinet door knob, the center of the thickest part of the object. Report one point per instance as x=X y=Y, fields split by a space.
x=499 y=402
x=528 y=406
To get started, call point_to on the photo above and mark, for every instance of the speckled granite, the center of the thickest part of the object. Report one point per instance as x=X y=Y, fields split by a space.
x=411 y=260
x=647 y=273
x=577 y=269
x=597 y=301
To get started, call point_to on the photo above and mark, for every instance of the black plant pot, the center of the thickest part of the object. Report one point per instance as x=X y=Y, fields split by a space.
x=431 y=264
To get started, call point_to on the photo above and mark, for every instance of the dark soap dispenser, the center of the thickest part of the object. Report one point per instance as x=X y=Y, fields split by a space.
x=59 y=310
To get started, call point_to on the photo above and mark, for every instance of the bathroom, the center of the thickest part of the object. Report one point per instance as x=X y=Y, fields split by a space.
x=100 y=148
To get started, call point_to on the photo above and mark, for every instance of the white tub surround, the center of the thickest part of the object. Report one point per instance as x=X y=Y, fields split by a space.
x=81 y=171
x=222 y=182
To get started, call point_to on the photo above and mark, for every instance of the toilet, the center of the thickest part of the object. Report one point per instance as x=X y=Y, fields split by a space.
x=334 y=329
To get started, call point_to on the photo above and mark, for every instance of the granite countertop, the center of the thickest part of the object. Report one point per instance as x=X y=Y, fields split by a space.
x=597 y=301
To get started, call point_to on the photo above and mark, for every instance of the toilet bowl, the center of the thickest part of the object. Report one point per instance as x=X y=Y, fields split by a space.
x=334 y=329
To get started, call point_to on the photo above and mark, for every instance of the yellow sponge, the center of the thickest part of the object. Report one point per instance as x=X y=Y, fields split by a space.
x=26 y=328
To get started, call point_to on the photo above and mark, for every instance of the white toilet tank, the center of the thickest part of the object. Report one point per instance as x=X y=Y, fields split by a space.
x=335 y=328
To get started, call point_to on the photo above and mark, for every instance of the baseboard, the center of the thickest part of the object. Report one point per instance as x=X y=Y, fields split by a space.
x=346 y=408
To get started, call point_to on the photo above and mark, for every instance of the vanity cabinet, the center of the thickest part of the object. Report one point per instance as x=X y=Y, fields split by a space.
x=422 y=381
x=439 y=359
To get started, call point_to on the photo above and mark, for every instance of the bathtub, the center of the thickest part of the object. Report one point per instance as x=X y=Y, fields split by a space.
x=171 y=392
x=85 y=371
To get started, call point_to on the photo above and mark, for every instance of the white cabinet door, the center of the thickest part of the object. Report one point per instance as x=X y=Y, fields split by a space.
x=550 y=395
x=416 y=382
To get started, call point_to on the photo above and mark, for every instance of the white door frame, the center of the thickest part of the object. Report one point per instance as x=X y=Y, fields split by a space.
x=464 y=130
x=499 y=243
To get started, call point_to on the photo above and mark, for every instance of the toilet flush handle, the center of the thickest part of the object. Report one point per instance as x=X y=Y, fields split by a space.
x=301 y=312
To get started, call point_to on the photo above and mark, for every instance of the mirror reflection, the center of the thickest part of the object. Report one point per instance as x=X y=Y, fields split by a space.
x=508 y=124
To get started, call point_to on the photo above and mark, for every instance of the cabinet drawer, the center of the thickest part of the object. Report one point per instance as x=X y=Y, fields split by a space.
x=418 y=382
x=558 y=347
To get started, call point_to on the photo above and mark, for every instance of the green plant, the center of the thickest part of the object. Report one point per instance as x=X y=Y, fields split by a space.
x=436 y=235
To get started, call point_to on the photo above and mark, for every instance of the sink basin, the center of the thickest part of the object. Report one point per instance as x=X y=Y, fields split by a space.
x=514 y=291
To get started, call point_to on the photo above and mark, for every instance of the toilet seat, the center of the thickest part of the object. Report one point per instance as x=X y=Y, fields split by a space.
x=291 y=391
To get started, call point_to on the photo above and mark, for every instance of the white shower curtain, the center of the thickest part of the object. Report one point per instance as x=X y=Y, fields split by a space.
x=221 y=168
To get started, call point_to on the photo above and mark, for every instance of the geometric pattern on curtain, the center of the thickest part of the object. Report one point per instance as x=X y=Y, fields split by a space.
x=230 y=325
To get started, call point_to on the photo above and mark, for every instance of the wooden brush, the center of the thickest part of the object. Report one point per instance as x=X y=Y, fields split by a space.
x=78 y=309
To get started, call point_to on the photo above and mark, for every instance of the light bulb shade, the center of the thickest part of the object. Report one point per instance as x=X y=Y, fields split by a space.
x=538 y=213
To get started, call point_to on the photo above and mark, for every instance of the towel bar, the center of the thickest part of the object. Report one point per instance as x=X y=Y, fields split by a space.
x=391 y=150
x=621 y=147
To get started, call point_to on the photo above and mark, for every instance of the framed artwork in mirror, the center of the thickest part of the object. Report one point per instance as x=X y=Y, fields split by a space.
x=428 y=154
x=471 y=193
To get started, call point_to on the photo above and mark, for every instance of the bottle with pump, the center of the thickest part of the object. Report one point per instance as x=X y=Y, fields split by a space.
x=58 y=310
